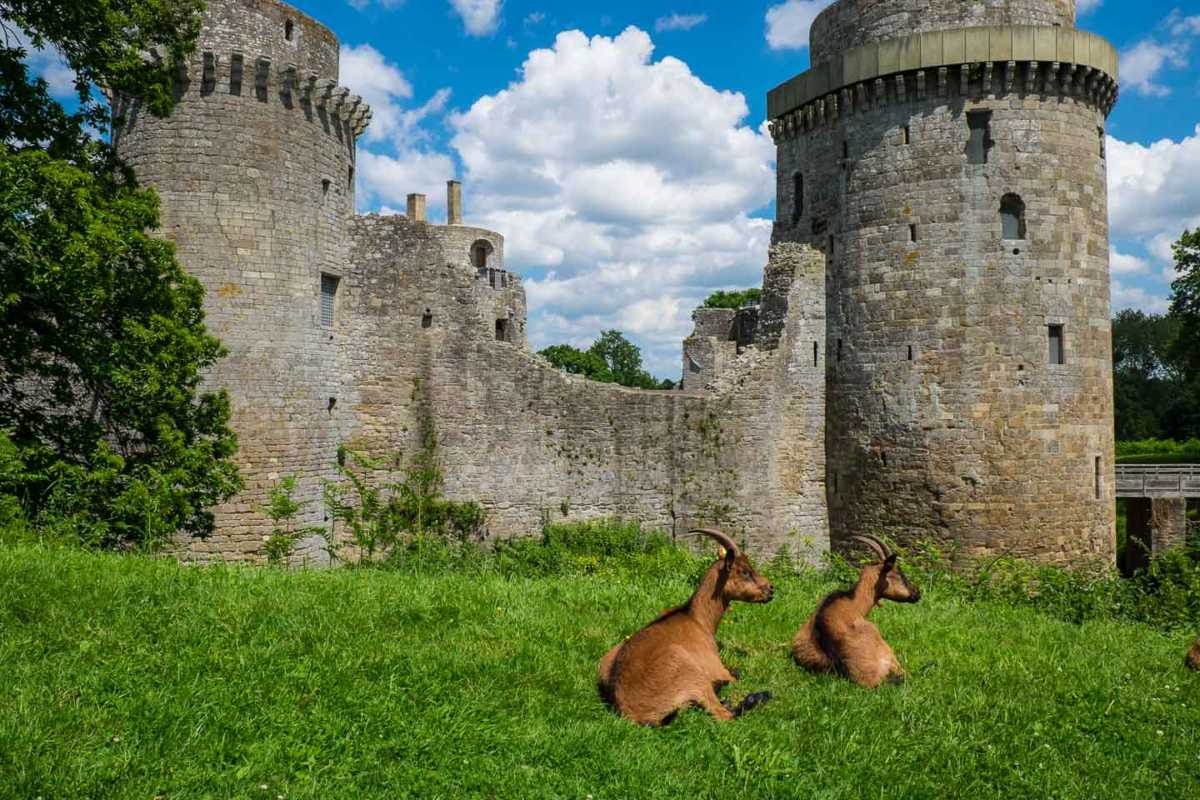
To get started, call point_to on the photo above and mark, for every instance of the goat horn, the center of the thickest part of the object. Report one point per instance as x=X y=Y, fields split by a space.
x=874 y=544
x=720 y=537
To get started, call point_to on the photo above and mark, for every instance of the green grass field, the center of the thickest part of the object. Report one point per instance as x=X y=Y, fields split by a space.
x=127 y=677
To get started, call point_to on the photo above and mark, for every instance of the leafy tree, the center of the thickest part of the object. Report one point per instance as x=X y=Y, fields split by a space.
x=1185 y=300
x=1146 y=377
x=624 y=359
x=734 y=299
x=102 y=337
x=611 y=359
x=578 y=362
x=1182 y=415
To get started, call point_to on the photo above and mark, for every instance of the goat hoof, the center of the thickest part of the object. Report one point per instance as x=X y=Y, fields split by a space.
x=750 y=701
x=896 y=680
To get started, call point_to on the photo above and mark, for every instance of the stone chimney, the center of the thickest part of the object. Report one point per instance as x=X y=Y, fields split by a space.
x=454 y=202
x=416 y=207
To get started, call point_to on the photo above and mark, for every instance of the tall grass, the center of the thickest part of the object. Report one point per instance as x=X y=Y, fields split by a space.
x=127 y=677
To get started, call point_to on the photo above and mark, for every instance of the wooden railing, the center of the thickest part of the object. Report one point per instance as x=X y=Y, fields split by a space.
x=1158 y=480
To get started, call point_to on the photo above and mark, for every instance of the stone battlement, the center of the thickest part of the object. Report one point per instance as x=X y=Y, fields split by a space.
x=966 y=62
x=257 y=78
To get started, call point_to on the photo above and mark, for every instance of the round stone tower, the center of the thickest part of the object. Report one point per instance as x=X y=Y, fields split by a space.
x=255 y=168
x=949 y=159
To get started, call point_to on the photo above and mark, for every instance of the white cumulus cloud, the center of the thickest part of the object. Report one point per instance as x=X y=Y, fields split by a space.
x=627 y=185
x=1142 y=64
x=1154 y=190
x=1086 y=6
x=365 y=71
x=1125 y=296
x=1123 y=264
x=480 y=17
x=788 y=23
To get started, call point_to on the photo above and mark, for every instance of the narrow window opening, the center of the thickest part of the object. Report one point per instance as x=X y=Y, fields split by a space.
x=907 y=135
x=262 y=75
x=208 y=79
x=798 y=197
x=883 y=457
x=845 y=150
x=839 y=350
x=325 y=184
x=831 y=247
x=979 y=124
x=236 y=68
x=1057 y=352
x=835 y=483
x=1098 y=477
x=427 y=318
x=330 y=405
x=329 y=287
x=912 y=233
x=1103 y=148
x=1012 y=217
x=910 y=353
x=502 y=330
x=816 y=353
x=288 y=30
x=350 y=179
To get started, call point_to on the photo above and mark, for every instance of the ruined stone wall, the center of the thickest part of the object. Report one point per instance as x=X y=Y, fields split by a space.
x=255 y=172
x=945 y=415
x=531 y=443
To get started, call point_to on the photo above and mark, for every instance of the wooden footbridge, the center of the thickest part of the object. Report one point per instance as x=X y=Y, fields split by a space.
x=1156 y=498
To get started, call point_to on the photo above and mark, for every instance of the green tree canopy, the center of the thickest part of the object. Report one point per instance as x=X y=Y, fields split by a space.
x=734 y=299
x=611 y=359
x=1185 y=300
x=102 y=337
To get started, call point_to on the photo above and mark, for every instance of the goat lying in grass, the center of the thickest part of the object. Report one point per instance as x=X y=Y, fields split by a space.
x=673 y=662
x=838 y=638
x=1193 y=656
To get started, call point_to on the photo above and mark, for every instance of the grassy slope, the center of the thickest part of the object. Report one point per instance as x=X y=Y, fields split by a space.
x=133 y=678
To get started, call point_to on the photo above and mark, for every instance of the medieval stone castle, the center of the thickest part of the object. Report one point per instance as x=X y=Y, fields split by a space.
x=931 y=357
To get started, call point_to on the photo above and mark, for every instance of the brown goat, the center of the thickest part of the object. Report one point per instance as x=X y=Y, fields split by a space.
x=673 y=662
x=838 y=638
x=1193 y=656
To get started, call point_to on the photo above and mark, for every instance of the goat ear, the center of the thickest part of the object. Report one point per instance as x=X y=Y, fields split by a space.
x=889 y=562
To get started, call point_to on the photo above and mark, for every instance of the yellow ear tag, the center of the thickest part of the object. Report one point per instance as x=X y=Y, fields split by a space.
x=720 y=551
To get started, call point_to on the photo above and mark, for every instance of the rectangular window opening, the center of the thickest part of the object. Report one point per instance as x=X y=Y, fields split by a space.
x=797 y=197
x=288 y=30
x=208 y=78
x=329 y=287
x=236 y=67
x=912 y=233
x=350 y=179
x=325 y=183
x=1098 y=487
x=980 y=125
x=907 y=135
x=845 y=150
x=816 y=354
x=910 y=353
x=502 y=330
x=1057 y=344
x=839 y=349
x=262 y=76
x=1100 y=131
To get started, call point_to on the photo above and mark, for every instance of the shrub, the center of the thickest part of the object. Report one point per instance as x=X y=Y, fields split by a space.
x=401 y=519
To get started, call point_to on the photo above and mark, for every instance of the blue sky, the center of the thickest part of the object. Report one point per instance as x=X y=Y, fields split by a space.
x=619 y=146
